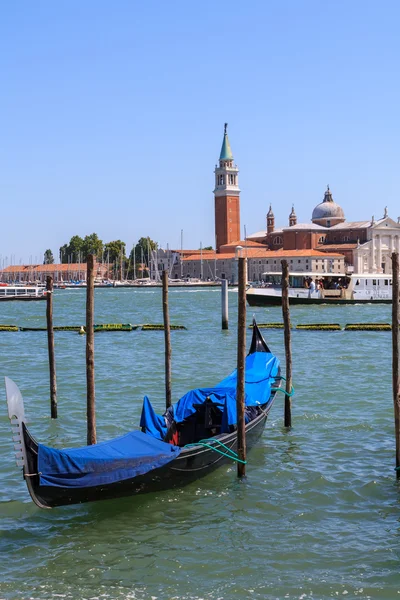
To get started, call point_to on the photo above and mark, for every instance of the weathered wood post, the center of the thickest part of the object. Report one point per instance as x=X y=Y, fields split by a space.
x=395 y=355
x=224 y=303
x=241 y=361
x=167 y=337
x=90 y=405
x=288 y=348
x=50 y=344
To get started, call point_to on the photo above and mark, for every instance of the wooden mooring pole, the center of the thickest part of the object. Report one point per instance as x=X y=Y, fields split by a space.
x=90 y=405
x=288 y=348
x=241 y=362
x=224 y=304
x=167 y=337
x=50 y=344
x=395 y=355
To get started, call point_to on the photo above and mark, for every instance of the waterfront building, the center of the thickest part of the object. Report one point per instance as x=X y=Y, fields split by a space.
x=366 y=245
x=61 y=273
x=260 y=260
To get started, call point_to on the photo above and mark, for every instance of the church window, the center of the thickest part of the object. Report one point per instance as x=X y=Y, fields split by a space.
x=328 y=223
x=346 y=238
x=277 y=240
x=321 y=239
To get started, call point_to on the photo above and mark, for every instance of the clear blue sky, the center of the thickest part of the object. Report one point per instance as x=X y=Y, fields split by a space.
x=112 y=115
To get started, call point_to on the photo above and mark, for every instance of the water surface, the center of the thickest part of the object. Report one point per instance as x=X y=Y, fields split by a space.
x=317 y=517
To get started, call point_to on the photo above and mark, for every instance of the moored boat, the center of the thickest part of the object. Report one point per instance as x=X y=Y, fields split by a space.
x=192 y=438
x=323 y=288
x=19 y=292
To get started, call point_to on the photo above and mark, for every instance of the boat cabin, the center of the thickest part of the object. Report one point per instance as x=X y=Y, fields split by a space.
x=326 y=281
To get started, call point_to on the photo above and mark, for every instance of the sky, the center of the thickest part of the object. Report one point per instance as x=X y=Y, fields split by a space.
x=112 y=116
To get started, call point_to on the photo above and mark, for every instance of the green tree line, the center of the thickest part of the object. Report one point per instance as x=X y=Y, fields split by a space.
x=112 y=253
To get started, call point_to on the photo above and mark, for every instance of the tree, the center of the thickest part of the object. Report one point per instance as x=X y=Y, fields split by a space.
x=75 y=249
x=114 y=254
x=208 y=248
x=114 y=250
x=72 y=252
x=64 y=254
x=92 y=245
x=48 y=258
x=139 y=257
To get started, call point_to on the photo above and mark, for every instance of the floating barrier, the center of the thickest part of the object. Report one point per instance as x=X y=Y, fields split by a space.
x=97 y=327
x=368 y=327
x=58 y=328
x=113 y=327
x=320 y=327
x=268 y=326
x=148 y=327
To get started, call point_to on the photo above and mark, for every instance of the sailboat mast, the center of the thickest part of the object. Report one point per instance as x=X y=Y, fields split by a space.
x=148 y=257
x=181 y=253
x=201 y=261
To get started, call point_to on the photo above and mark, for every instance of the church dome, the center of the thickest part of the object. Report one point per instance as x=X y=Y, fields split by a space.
x=328 y=213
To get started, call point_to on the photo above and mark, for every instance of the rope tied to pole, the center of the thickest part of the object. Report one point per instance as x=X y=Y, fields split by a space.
x=288 y=394
x=229 y=453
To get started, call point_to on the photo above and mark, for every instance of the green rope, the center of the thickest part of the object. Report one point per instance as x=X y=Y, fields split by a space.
x=288 y=394
x=229 y=452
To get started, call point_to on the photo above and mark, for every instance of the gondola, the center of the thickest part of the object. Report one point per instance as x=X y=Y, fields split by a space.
x=193 y=437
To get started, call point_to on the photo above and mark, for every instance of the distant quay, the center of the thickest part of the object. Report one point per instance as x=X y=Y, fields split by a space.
x=146 y=286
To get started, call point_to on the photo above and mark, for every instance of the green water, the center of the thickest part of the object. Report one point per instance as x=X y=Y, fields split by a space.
x=317 y=517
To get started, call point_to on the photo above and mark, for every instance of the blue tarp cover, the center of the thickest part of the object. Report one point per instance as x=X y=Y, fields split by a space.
x=260 y=373
x=101 y=464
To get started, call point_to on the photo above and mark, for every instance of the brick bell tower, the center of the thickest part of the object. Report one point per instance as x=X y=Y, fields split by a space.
x=226 y=194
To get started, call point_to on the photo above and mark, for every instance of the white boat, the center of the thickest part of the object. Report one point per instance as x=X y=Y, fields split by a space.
x=19 y=292
x=327 y=288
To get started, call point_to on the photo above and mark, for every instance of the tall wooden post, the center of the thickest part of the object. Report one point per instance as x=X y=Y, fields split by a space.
x=50 y=344
x=167 y=337
x=288 y=348
x=241 y=362
x=90 y=406
x=224 y=303
x=395 y=355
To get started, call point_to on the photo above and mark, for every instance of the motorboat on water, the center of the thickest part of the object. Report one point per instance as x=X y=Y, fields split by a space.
x=322 y=288
x=20 y=292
